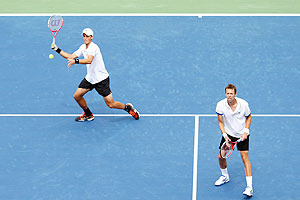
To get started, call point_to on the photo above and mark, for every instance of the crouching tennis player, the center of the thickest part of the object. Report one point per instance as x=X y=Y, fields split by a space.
x=97 y=76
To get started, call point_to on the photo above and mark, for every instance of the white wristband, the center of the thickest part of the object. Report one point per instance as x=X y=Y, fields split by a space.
x=246 y=130
x=225 y=135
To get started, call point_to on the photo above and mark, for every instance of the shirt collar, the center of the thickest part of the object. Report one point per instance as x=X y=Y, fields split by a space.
x=237 y=107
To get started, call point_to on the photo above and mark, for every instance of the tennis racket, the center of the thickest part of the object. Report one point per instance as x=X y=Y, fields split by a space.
x=55 y=23
x=227 y=148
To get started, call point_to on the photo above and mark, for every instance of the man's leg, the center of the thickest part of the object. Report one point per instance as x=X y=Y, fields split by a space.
x=223 y=167
x=246 y=161
x=248 y=172
x=113 y=104
x=222 y=161
x=78 y=96
x=118 y=105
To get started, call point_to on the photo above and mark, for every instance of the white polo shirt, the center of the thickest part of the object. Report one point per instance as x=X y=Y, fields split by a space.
x=234 y=122
x=96 y=71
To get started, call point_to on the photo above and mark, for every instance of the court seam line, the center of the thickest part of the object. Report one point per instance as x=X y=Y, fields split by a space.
x=199 y=15
x=196 y=131
x=196 y=116
x=142 y=115
x=195 y=165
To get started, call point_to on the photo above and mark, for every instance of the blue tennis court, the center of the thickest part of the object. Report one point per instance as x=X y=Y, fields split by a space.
x=174 y=70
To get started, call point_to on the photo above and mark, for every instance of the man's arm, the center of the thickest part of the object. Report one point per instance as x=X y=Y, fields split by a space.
x=88 y=60
x=222 y=128
x=63 y=53
x=247 y=127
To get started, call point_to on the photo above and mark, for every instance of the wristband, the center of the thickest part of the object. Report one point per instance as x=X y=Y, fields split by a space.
x=246 y=130
x=76 y=60
x=58 y=50
x=225 y=135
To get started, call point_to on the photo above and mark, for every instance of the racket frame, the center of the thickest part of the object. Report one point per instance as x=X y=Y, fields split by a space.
x=233 y=144
x=54 y=32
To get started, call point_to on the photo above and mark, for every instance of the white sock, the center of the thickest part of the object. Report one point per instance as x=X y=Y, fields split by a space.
x=225 y=172
x=249 y=181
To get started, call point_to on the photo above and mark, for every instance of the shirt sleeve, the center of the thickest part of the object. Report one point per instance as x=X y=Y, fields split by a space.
x=78 y=52
x=92 y=51
x=247 y=110
x=219 y=109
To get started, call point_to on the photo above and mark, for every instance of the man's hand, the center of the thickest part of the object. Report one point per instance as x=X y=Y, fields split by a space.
x=244 y=136
x=54 y=47
x=226 y=137
x=71 y=62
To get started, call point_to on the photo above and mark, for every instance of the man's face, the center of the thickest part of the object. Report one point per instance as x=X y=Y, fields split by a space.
x=87 y=39
x=230 y=95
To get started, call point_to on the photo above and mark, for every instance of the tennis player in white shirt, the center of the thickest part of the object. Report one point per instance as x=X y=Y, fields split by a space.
x=97 y=76
x=234 y=117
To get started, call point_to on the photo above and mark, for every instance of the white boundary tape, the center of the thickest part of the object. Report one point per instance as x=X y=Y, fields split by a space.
x=200 y=15
x=142 y=115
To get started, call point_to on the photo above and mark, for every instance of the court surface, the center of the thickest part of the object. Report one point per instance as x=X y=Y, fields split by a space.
x=174 y=70
x=151 y=6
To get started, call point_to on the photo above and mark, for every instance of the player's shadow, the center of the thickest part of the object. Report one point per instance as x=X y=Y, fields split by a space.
x=246 y=197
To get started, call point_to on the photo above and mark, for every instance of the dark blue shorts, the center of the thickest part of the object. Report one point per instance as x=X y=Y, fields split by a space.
x=241 y=146
x=102 y=87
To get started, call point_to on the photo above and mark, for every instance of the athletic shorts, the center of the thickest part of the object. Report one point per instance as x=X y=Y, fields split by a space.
x=241 y=146
x=102 y=87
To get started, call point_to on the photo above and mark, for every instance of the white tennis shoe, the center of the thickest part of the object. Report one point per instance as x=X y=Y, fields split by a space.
x=248 y=191
x=222 y=180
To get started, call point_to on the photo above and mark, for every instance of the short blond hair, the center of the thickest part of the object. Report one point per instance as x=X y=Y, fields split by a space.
x=231 y=86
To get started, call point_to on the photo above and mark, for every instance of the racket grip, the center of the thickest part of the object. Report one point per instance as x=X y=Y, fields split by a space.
x=239 y=140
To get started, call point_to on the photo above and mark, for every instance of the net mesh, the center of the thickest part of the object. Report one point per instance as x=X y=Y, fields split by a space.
x=55 y=22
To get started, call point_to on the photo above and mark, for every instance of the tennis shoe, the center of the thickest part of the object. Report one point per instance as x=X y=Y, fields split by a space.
x=248 y=191
x=83 y=118
x=133 y=112
x=222 y=180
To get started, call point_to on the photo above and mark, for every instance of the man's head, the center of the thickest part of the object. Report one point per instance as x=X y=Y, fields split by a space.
x=88 y=35
x=230 y=92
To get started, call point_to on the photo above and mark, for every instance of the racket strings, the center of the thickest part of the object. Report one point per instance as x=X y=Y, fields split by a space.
x=225 y=150
x=55 y=23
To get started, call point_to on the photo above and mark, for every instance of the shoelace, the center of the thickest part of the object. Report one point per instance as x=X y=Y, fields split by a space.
x=134 y=114
x=83 y=115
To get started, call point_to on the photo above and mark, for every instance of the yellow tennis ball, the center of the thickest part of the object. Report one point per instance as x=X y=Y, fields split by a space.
x=51 y=56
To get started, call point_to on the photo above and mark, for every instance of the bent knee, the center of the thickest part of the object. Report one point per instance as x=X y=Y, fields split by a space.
x=77 y=97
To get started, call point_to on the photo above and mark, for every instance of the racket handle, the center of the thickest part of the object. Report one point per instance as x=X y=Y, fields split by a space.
x=53 y=42
x=239 y=140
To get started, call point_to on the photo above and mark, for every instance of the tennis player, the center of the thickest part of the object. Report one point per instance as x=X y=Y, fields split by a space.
x=234 y=117
x=97 y=77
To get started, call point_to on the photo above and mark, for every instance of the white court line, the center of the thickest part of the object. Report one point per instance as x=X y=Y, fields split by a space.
x=196 y=131
x=196 y=116
x=153 y=14
x=195 y=166
x=142 y=115
x=100 y=14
